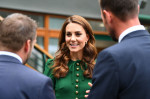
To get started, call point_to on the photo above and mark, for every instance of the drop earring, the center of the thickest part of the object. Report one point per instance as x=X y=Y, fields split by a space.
x=85 y=43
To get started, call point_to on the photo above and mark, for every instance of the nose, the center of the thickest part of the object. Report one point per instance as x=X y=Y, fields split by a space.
x=73 y=38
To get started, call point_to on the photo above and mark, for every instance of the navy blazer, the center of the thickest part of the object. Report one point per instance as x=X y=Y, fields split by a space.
x=123 y=70
x=20 y=82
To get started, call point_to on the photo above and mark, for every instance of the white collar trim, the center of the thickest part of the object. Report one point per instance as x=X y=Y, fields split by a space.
x=129 y=30
x=11 y=54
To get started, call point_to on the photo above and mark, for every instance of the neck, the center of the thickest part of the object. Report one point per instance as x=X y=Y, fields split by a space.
x=125 y=25
x=76 y=56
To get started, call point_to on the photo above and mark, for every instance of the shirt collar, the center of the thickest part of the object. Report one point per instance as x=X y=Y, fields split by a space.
x=129 y=30
x=11 y=54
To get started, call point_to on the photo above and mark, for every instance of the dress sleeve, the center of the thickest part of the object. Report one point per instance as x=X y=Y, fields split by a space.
x=49 y=71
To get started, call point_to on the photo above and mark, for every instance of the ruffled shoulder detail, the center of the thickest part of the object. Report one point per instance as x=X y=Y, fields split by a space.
x=49 y=71
x=49 y=63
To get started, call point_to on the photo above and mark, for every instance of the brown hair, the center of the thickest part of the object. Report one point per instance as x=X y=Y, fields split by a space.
x=60 y=68
x=15 y=30
x=123 y=9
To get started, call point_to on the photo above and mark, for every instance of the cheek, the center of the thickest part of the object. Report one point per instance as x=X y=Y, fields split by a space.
x=82 y=41
x=67 y=40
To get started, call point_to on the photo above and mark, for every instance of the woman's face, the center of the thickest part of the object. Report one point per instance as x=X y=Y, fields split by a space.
x=75 y=37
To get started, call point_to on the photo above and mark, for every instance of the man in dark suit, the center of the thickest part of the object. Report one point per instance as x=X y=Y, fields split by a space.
x=17 y=38
x=122 y=71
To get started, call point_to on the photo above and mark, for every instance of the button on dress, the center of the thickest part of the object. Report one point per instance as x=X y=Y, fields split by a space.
x=73 y=85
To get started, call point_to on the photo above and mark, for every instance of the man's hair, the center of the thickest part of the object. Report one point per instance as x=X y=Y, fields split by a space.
x=123 y=9
x=15 y=30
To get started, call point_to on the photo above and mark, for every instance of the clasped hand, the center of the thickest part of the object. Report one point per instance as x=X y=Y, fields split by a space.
x=88 y=91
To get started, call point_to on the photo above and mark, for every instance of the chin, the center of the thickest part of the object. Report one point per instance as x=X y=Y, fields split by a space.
x=74 y=51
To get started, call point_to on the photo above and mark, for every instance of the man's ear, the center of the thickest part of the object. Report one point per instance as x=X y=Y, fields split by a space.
x=27 y=46
x=107 y=15
x=138 y=9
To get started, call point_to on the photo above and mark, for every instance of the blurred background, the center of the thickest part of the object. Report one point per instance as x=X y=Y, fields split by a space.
x=50 y=15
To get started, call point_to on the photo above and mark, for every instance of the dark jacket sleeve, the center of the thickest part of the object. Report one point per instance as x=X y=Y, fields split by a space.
x=46 y=90
x=105 y=77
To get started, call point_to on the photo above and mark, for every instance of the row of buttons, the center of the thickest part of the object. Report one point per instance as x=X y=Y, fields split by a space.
x=77 y=80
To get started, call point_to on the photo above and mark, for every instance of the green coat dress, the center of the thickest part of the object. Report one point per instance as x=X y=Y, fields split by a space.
x=73 y=85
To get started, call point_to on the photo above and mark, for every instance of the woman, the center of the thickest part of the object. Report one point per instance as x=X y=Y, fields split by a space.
x=72 y=67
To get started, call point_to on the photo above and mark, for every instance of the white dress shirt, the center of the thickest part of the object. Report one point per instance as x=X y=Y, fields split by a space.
x=129 y=30
x=11 y=54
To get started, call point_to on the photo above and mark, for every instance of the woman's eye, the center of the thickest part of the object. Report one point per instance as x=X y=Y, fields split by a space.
x=78 y=34
x=68 y=34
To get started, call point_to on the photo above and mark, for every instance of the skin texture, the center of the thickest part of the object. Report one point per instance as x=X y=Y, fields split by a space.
x=76 y=39
x=28 y=49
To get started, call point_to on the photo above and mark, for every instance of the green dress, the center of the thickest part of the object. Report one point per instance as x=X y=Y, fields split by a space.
x=73 y=85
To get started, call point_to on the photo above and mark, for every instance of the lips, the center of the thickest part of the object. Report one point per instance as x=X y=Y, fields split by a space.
x=74 y=44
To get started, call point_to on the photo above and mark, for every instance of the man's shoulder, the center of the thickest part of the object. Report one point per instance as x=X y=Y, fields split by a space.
x=26 y=73
x=33 y=73
x=114 y=48
x=117 y=49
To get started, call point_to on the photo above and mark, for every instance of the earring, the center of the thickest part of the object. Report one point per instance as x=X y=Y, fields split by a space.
x=85 y=43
